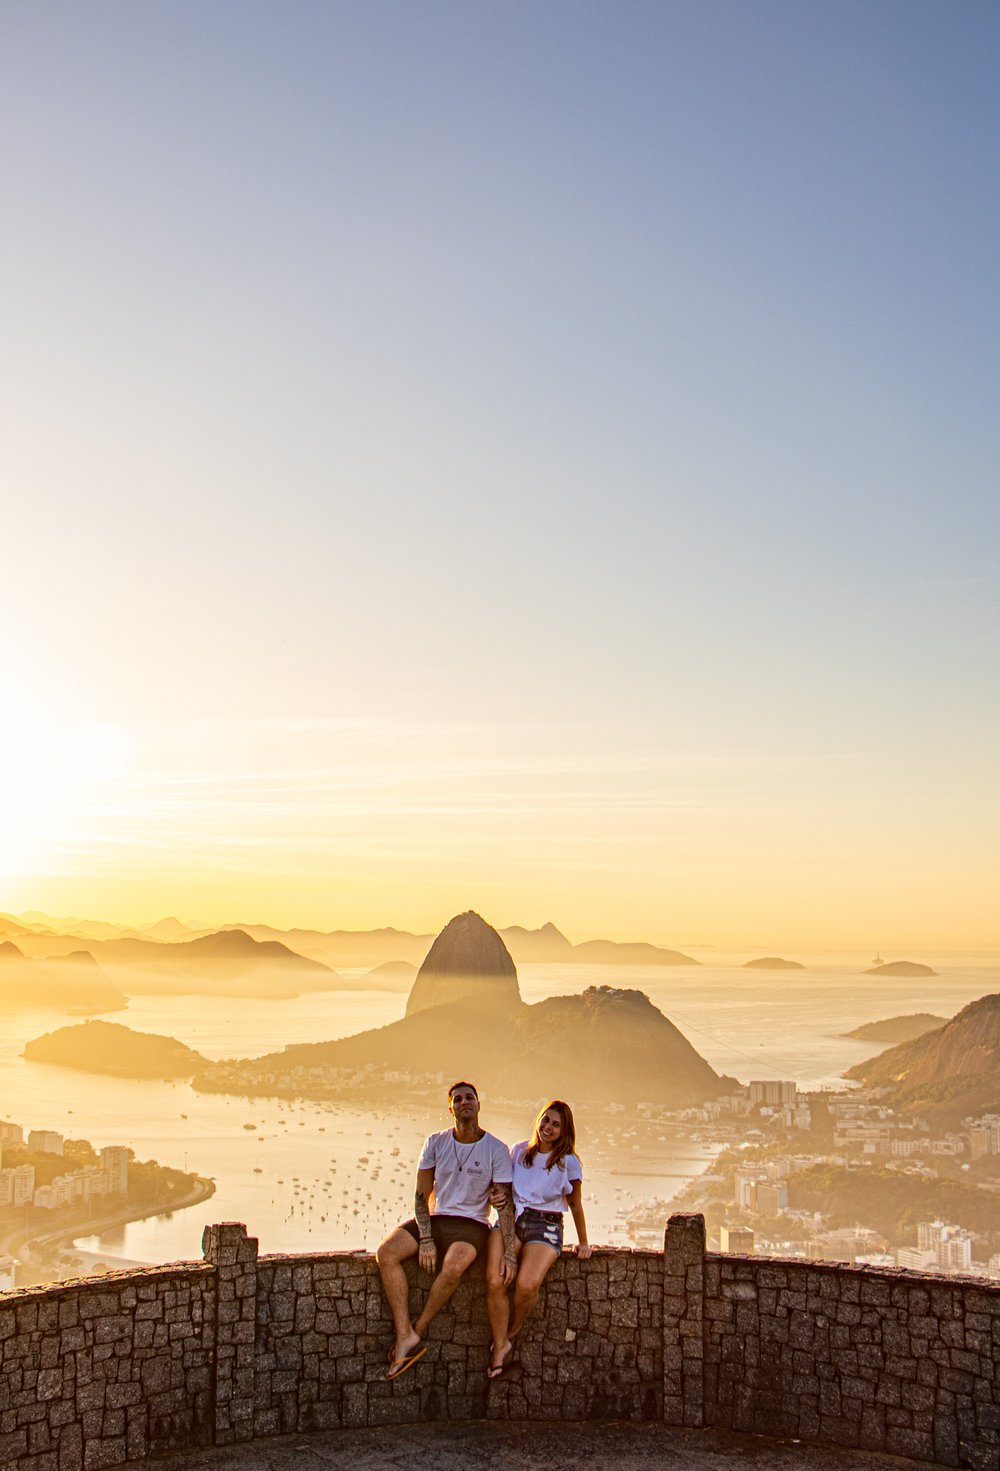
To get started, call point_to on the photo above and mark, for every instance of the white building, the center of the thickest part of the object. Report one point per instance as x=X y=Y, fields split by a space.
x=8 y=1267
x=775 y=1092
x=11 y=1133
x=45 y=1141
x=114 y=1161
x=24 y=1184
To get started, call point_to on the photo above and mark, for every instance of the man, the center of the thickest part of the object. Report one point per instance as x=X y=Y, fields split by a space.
x=458 y=1167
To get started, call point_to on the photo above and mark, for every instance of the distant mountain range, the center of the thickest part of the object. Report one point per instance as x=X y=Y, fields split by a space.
x=947 y=1074
x=351 y=949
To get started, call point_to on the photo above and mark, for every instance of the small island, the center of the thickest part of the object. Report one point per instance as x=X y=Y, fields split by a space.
x=895 y=1029
x=900 y=968
x=107 y=1047
x=772 y=962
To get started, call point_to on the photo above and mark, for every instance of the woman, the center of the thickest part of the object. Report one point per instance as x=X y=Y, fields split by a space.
x=547 y=1177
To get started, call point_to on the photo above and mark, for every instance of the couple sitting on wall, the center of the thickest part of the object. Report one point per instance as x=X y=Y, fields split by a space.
x=465 y=1171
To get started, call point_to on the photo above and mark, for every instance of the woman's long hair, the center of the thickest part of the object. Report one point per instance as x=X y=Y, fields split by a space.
x=565 y=1144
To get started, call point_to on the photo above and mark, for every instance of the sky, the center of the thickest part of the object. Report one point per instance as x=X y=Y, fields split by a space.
x=539 y=458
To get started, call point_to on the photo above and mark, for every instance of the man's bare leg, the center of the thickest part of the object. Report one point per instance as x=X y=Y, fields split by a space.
x=457 y=1259
x=397 y=1248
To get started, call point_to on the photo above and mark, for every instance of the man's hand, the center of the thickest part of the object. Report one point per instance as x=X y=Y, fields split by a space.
x=427 y=1256
x=508 y=1270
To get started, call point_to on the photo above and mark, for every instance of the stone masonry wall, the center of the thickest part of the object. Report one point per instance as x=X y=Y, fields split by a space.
x=94 y=1374
x=877 y=1358
x=137 y=1364
x=591 y=1350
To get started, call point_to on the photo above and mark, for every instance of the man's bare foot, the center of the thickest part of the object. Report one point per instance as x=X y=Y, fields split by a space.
x=404 y=1346
x=499 y=1354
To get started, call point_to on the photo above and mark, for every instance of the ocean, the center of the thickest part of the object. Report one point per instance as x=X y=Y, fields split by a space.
x=315 y=1177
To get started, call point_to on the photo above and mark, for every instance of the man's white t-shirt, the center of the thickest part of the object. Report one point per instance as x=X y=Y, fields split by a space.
x=540 y=1188
x=463 y=1173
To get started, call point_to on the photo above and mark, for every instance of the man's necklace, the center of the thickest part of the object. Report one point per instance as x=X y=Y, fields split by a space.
x=473 y=1147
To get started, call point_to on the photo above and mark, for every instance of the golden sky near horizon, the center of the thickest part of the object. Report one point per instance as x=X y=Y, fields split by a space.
x=358 y=824
x=539 y=459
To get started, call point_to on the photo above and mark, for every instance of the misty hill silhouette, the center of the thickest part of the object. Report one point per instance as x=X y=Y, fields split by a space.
x=772 y=962
x=546 y=945
x=901 y=968
x=57 y=985
x=895 y=1029
x=44 y=936
x=608 y=1044
x=106 y=1047
x=947 y=1074
x=467 y=961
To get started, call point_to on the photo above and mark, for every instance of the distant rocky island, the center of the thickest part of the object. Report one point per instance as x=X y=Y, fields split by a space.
x=945 y=1075
x=898 y=1028
x=900 y=968
x=772 y=962
x=106 y=1047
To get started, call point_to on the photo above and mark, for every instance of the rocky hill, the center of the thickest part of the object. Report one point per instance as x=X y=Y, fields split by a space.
x=895 y=1029
x=608 y=1045
x=946 y=1074
x=467 y=962
x=71 y=985
x=105 y=1047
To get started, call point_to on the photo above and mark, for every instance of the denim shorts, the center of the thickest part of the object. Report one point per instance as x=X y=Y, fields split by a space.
x=543 y=1226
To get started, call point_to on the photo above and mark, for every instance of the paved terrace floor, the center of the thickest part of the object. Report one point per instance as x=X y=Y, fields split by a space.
x=487 y=1445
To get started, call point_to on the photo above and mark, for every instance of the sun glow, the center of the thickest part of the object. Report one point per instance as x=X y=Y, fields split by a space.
x=46 y=769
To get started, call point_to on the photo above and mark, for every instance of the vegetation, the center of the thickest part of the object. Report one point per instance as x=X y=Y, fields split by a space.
x=893 y=1202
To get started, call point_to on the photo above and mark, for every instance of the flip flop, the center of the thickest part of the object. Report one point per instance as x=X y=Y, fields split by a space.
x=400 y=1366
x=495 y=1370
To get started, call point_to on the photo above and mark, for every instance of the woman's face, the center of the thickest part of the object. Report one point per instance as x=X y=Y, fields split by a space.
x=550 y=1127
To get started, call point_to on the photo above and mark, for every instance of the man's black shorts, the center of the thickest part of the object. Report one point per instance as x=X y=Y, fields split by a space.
x=446 y=1229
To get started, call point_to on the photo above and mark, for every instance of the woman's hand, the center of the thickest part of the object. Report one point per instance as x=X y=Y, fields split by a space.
x=497 y=1196
x=427 y=1256
x=584 y=1250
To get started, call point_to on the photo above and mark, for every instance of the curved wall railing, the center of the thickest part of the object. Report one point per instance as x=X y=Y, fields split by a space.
x=239 y=1347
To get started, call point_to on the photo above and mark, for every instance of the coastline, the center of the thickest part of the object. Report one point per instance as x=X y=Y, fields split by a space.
x=20 y=1242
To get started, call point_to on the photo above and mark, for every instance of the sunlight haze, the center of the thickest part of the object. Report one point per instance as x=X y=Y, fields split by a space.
x=536 y=458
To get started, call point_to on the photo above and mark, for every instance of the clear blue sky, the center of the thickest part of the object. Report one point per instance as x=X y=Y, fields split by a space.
x=626 y=372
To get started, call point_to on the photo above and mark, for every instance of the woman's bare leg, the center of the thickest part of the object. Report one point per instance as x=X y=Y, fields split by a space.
x=535 y=1261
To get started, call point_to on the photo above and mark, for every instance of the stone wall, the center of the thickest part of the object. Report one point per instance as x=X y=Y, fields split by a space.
x=883 y=1360
x=136 y=1364
x=102 y=1372
x=592 y=1349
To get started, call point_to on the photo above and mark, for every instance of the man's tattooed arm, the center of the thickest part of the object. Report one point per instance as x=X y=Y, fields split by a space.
x=506 y=1223
x=427 y=1255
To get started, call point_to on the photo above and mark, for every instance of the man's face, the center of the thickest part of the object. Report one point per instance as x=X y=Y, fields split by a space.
x=464 y=1106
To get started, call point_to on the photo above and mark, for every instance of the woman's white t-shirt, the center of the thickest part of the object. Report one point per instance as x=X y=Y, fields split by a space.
x=539 y=1188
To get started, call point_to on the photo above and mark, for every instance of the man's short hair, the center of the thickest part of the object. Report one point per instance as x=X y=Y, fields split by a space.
x=451 y=1090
